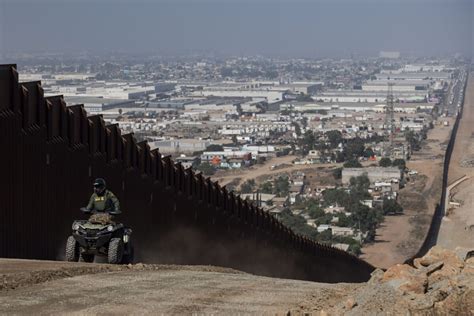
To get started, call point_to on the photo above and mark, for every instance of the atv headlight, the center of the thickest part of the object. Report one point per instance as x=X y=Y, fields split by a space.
x=110 y=228
x=76 y=227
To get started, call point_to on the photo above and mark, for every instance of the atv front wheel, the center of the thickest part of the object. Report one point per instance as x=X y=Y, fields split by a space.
x=72 y=249
x=115 y=252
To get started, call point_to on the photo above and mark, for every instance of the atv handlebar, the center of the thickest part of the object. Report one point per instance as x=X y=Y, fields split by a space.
x=85 y=210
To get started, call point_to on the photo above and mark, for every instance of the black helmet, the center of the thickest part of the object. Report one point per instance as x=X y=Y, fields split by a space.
x=99 y=183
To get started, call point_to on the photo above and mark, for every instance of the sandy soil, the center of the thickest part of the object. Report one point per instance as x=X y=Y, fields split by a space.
x=457 y=228
x=384 y=252
x=155 y=289
x=400 y=237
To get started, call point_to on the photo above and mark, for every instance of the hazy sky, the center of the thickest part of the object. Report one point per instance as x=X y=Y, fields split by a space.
x=276 y=28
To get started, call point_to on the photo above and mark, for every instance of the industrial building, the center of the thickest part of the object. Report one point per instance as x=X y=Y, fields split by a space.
x=97 y=105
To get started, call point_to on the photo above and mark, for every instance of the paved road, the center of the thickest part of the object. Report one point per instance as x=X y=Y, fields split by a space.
x=448 y=192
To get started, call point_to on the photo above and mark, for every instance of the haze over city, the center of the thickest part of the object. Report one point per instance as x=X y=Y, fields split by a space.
x=237 y=157
x=319 y=28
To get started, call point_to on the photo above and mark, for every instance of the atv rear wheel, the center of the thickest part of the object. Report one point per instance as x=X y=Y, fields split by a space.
x=72 y=249
x=84 y=257
x=115 y=252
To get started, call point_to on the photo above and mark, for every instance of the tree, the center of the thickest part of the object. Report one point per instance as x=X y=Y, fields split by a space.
x=385 y=162
x=354 y=148
x=321 y=146
x=297 y=128
x=271 y=74
x=308 y=140
x=353 y=163
x=339 y=157
x=247 y=186
x=333 y=196
x=282 y=186
x=334 y=137
x=266 y=187
x=344 y=220
x=412 y=139
x=355 y=248
x=297 y=224
x=304 y=122
x=214 y=147
x=400 y=163
x=368 y=153
x=314 y=210
x=391 y=207
x=359 y=187
x=364 y=217
x=206 y=169
x=325 y=235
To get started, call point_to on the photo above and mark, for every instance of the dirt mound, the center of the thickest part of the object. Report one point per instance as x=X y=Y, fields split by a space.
x=440 y=283
x=13 y=281
x=36 y=272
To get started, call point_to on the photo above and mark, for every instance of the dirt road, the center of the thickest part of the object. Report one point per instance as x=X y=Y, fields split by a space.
x=457 y=228
x=284 y=165
x=155 y=289
x=400 y=237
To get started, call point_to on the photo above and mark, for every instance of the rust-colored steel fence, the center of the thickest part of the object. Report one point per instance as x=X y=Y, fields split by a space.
x=50 y=153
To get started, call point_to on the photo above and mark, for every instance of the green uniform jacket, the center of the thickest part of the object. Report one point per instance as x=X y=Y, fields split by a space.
x=107 y=202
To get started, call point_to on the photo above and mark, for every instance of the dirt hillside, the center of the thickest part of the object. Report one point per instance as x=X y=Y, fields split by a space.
x=441 y=283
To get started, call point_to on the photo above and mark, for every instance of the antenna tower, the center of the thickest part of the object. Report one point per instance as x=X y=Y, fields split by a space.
x=389 y=120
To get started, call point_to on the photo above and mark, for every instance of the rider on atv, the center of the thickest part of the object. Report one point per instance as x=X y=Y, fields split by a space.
x=100 y=235
x=103 y=200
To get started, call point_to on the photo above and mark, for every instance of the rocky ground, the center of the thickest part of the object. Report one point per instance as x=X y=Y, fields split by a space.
x=440 y=283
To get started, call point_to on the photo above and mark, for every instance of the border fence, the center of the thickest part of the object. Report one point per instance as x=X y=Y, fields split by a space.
x=433 y=232
x=50 y=153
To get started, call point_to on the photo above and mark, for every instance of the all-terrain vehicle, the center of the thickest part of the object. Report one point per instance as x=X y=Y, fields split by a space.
x=99 y=236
